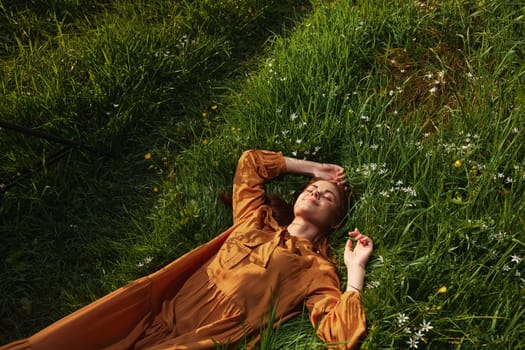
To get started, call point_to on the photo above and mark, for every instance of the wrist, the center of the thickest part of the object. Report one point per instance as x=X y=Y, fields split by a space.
x=355 y=267
x=352 y=288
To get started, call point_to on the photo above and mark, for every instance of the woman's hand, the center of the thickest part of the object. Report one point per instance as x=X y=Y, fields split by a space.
x=330 y=172
x=355 y=260
x=358 y=255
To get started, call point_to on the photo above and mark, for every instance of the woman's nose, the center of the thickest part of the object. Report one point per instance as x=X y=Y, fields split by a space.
x=316 y=194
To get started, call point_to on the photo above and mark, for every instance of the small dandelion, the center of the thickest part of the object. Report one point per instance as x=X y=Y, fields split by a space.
x=205 y=142
x=443 y=290
x=147 y=156
x=458 y=164
x=156 y=189
x=214 y=107
x=204 y=114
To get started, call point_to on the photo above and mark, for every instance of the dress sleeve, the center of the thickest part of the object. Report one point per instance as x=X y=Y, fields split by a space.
x=338 y=317
x=254 y=168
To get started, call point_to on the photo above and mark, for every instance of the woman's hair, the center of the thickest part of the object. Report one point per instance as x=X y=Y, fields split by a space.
x=283 y=212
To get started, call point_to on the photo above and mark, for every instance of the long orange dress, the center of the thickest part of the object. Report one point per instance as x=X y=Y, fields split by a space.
x=221 y=292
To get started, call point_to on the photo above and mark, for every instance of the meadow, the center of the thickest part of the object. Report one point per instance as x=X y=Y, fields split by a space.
x=422 y=102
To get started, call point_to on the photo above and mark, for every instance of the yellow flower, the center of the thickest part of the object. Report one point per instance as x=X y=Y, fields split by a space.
x=443 y=290
x=458 y=163
x=205 y=141
x=214 y=107
x=155 y=189
x=204 y=114
x=147 y=156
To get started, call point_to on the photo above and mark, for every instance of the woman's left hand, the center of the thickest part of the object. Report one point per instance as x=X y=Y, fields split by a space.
x=358 y=255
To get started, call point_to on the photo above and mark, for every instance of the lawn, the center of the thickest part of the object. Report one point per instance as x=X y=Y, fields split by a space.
x=421 y=102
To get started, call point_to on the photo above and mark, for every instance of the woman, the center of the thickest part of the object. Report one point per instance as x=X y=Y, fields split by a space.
x=254 y=273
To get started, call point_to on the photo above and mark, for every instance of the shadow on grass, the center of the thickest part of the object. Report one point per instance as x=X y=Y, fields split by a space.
x=67 y=231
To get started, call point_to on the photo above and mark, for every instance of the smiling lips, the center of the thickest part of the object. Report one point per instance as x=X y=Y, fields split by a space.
x=312 y=199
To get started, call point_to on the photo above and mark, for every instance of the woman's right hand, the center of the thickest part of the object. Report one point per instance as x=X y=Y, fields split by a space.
x=330 y=172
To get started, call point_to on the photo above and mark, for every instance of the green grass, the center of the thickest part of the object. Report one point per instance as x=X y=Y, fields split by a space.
x=397 y=92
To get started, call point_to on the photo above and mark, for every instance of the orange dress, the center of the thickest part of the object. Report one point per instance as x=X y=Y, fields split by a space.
x=221 y=292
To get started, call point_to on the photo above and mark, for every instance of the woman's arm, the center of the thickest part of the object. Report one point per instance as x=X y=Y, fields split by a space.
x=355 y=260
x=339 y=317
x=325 y=171
x=254 y=168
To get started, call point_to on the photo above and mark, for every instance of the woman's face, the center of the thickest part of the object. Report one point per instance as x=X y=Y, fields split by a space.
x=319 y=204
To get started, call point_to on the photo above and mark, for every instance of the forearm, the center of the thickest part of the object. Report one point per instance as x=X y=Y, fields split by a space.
x=356 y=277
x=301 y=167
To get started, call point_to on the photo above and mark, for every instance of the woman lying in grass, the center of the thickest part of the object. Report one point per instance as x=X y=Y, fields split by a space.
x=224 y=291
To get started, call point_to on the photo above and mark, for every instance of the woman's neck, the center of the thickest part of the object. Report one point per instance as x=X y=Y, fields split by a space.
x=301 y=228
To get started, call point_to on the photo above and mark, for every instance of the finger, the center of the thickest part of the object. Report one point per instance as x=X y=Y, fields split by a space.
x=363 y=239
x=355 y=232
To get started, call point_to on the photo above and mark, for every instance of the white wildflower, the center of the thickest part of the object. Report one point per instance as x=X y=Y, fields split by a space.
x=515 y=259
x=401 y=319
x=372 y=284
x=419 y=335
x=425 y=326
x=413 y=342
